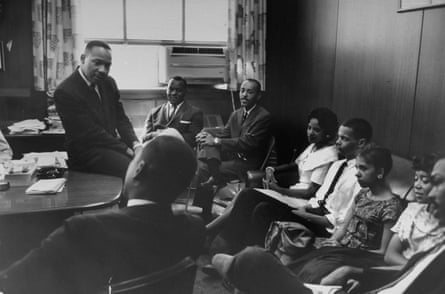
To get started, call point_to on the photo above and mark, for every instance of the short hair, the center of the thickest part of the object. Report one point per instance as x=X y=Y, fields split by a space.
x=379 y=157
x=361 y=128
x=256 y=82
x=169 y=169
x=425 y=162
x=179 y=79
x=327 y=120
x=96 y=43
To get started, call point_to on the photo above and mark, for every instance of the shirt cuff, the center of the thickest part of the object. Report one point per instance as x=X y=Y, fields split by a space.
x=136 y=144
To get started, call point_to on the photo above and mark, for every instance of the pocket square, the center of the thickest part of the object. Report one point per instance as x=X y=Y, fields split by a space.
x=186 y=122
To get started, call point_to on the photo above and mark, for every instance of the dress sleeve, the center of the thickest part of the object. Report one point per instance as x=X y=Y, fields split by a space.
x=319 y=173
x=391 y=211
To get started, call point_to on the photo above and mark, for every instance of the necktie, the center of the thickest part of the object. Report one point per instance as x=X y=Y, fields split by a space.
x=244 y=116
x=335 y=180
x=171 y=111
x=95 y=90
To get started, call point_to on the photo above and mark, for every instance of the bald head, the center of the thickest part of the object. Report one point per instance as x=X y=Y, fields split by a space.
x=161 y=171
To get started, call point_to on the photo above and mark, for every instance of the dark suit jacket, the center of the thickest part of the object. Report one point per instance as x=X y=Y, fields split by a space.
x=249 y=139
x=81 y=255
x=188 y=120
x=91 y=122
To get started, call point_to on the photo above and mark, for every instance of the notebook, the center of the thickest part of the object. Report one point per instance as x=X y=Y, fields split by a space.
x=50 y=186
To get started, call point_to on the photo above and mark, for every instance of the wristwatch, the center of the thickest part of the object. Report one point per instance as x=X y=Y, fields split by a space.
x=216 y=141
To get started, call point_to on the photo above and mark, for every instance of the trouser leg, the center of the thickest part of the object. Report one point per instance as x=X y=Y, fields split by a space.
x=255 y=270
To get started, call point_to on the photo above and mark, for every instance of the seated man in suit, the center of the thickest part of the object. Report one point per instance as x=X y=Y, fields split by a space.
x=241 y=146
x=176 y=113
x=99 y=136
x=256 y=271
x=83 y=254
x=5 y=149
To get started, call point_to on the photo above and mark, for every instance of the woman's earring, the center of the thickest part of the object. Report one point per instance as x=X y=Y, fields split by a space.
x=379 y=176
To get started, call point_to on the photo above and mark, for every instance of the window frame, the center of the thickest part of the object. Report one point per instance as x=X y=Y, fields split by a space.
x=126 y=41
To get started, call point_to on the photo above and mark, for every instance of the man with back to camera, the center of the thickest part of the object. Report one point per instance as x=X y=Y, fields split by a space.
x=144 y=237
x=241 y=146
x=99 y=135
x=176 y=113
x=256 y=271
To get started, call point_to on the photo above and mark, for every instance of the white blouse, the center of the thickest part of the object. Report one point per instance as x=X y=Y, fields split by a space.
x=313 y=164
x=418 y=230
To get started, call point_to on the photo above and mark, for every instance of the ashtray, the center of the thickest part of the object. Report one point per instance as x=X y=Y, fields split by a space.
x=50 y=172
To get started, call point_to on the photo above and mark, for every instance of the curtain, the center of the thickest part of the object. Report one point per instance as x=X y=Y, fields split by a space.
x=247 y=41
x=55 y=42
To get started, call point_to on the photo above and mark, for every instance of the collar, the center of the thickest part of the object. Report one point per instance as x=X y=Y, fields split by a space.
x=177 y=107
x=137 y=202
x=350 y=162
x=250 y=110
x=84 y=77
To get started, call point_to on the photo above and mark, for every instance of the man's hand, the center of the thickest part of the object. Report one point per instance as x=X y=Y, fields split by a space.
x=205 y=139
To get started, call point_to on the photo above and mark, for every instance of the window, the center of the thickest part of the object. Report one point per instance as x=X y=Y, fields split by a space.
x=410 y=5
x=138 y=29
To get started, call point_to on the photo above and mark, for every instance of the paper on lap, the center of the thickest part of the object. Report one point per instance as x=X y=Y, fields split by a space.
x=323 y=289
x=290 y=201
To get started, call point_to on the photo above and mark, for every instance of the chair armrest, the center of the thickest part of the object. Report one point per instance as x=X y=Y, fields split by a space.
x=286 y=175
x=254 y=178
x=288 y=167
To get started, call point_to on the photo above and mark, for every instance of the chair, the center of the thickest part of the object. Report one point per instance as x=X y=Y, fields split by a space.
x=271 y=156
x=226 y=194
x=178 y=278
x=288 y=172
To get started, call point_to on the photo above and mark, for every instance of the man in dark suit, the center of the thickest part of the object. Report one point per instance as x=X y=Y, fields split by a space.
x=176 y=113
x=99 y=136
x=241 y=146
x=256 y=271
x=88 y=250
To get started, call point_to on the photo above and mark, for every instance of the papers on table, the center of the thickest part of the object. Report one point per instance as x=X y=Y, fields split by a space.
x=48 y=159
x=29 y=126
x=50 y=186
x=290 y=201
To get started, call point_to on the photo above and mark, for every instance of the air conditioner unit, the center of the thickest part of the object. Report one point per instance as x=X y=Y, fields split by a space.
x=198 y=65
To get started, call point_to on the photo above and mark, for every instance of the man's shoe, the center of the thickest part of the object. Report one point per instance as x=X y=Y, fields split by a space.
x=210 y=270
x=221 y=263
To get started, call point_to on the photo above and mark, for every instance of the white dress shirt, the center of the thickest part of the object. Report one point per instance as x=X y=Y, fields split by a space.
x=342 y=197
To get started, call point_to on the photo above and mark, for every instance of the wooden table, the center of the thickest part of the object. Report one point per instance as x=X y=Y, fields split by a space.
x=27 y=219
x=83 y=191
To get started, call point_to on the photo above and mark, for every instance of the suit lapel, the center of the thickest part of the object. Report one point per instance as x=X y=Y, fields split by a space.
x=179 y=113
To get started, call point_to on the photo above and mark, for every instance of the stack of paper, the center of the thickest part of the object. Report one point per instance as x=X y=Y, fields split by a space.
x=29 y=126
x=51 y=186
x=289 y=201
x=48 y=159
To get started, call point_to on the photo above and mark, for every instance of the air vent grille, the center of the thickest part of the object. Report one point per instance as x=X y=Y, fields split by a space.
x=198 y=50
